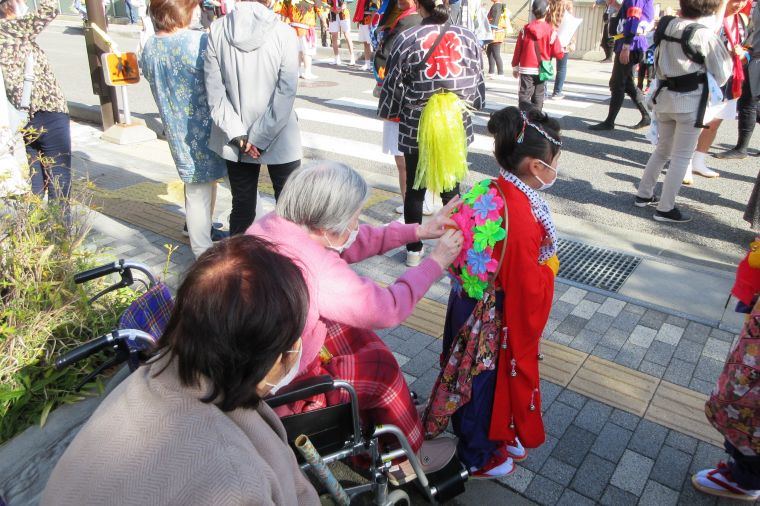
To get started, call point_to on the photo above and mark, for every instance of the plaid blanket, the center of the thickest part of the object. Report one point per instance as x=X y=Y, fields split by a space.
x=359 y=357
x=150 y=312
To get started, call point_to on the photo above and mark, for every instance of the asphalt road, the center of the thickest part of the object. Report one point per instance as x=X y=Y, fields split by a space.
x=598 y=173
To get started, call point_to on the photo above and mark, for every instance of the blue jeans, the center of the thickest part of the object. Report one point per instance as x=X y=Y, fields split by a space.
x=52 y=146
x=559 y=81
x=132 y=13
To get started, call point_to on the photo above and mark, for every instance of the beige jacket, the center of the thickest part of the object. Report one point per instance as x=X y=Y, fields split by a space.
x=671 y=61
x=152 y=441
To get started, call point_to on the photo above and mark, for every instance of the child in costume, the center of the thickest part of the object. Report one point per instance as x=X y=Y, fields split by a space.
x=365 y=11
x=502 y=288
x=734 y=406
x=339 y=23
x=301 y=16
x=536 y=45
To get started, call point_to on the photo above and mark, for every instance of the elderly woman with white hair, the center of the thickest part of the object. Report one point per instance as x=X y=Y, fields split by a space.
x=316 y=223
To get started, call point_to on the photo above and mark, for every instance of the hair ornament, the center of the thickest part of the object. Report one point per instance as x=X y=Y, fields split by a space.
x=527 y=123
x=438 y=3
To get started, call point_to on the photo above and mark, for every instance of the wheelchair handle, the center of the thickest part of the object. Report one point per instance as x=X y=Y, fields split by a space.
x=98 y=272
x=119 y=266
x=84 y=351
x=117 y=337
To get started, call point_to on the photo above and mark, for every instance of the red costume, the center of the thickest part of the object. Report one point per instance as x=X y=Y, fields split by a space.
x=528 y=288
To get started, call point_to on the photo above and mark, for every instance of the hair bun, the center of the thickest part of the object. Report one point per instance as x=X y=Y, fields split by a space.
x=503 y=119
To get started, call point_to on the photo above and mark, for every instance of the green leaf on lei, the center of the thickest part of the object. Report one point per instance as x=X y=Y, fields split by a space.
x=488 y=234
x=473 y=285
x=471 y=196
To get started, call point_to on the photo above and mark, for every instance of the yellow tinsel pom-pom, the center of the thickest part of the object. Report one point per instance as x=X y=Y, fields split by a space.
x=442 y=144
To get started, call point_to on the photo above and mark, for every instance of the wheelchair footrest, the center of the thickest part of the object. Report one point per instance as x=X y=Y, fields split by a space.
x=448 y=482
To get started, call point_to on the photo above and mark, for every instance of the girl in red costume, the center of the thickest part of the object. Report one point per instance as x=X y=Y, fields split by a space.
x=502 y=293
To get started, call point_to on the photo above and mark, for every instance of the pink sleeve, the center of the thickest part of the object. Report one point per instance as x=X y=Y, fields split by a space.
x=345 y=297
x=373 y=240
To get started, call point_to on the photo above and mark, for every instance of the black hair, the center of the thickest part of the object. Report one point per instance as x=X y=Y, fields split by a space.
x=539 y=8
x=693 y=9
x=507 y=126
x=439 y=14
x=240 y=306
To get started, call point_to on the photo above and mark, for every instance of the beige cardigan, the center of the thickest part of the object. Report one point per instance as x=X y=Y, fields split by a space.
x=152 y=441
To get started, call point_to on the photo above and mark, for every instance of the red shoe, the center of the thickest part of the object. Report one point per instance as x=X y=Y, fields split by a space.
x=498 y=465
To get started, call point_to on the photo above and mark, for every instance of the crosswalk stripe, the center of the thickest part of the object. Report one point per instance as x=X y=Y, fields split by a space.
x=575 y=104
x=346 y=147
x=597 y=89
x=514 y=89
x=359 y=122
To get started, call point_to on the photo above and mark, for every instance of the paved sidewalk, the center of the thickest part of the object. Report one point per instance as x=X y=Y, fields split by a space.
x=623 y=383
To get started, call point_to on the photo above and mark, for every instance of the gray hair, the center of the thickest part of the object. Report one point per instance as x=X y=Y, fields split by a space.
x=322 y=195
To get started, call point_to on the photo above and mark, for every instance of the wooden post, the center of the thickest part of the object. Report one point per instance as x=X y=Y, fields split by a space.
x=109 y=101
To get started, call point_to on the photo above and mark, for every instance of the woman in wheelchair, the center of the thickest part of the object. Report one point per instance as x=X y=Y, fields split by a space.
x=316 y=223
x=190 y=427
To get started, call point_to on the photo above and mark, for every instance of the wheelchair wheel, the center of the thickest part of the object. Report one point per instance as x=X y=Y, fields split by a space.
x=398 y=497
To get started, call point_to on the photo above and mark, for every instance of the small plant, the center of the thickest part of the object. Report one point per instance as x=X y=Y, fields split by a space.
x=42 y=312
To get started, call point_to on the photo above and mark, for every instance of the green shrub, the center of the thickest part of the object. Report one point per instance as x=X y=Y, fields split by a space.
x=42 y=312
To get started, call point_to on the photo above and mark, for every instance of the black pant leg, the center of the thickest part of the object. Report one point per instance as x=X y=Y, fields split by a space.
x=747 y=111
x=279 y=174
x=525 y=92
x=539 y=93
x=413 y=199
x=244 y=182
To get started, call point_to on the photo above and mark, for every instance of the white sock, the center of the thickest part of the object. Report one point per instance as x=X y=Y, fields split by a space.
x=698 y=160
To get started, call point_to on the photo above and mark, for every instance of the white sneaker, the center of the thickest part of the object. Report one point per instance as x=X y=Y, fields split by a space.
x=490 y=76
x=705 y=172
x=427 y=209
x=367 y=66
x=414 y=258
x=352 y=62
x=337 y=61
x=400 y=209
x=719 y=482
x=309 y=77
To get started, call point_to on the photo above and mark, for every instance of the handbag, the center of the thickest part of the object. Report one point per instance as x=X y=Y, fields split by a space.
x=408 y=70
x=12 y=180
x=545 y=68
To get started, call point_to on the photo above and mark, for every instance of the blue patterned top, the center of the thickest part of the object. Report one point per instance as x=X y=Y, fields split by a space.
x=173 y=65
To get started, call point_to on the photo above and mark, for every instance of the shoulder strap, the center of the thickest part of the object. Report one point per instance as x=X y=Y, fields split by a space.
x=26 y=91
x=506 y=230
x=538 y=52
x=438 y=40
x=662 y=25
x=693 y=54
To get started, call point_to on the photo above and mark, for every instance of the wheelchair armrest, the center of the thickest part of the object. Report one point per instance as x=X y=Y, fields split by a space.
x=300 y=390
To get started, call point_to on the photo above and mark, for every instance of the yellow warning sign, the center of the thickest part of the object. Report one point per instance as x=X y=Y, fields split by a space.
x=120 y=69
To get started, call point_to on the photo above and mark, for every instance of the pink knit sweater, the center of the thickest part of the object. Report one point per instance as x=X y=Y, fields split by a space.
x=336 y=292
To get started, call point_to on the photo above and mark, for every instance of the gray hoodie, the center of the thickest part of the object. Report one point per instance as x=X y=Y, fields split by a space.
x=251 y=72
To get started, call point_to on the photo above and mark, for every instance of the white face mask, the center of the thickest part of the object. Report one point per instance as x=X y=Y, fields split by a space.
x=285 y=380
x=351 y=238
x=546 y=186
x=22 y=10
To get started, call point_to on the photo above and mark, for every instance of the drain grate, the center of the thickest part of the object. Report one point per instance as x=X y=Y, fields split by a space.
x=593 y=266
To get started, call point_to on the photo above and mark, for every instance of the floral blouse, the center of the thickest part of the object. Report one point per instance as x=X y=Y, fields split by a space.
x=173 y=65
x=18 y=37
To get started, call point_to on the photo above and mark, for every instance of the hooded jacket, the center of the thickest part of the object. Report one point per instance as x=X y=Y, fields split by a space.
x=536 y=32
x=251 y=70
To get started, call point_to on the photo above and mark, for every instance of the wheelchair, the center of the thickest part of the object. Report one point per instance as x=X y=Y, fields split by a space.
x=335 y=431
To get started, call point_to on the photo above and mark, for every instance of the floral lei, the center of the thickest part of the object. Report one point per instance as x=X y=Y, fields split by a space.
x=479 y=218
